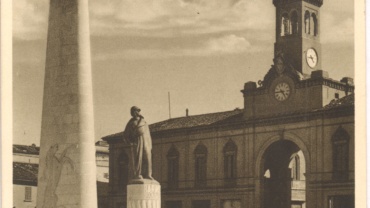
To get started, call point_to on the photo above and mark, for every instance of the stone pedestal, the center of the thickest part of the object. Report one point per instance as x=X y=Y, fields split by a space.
x=144 y=194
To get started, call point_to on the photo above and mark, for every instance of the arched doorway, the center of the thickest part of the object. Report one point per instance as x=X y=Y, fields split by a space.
x=283 y=181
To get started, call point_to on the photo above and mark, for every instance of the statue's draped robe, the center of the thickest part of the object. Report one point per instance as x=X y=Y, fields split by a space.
x=137 y=132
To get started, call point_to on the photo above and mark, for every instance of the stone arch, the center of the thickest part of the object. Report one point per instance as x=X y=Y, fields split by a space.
x=294 y=23
x=340 y=134
x=173 y=152
x=306 y=20
x=200 y=149
x=230 y=146
x=260 y=160
x=285 y=24
x=287 y=136
x=314 y=25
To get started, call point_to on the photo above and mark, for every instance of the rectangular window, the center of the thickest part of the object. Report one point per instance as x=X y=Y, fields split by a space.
x=173 y=172
x=28 y=194
x=200 y=171
x=173 y=204
x=340 y=160
x=121 y=205
x=201 y=204
x=336 y=95
x=230 y=169
x=106 y=175
x=296 y=204
x=344 y=201
x=229 y=166
x=234 y=203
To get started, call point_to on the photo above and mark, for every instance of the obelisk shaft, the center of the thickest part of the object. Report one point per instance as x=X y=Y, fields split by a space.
x=67 y=170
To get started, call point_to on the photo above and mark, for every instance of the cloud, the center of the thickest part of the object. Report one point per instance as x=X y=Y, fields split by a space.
x=228 y=44
x=173 y=17
x=161 y=18
x=340 y=29
x=29 y=19
x=224 y=45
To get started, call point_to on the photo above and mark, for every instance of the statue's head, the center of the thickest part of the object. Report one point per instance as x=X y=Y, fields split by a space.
x=135 y=111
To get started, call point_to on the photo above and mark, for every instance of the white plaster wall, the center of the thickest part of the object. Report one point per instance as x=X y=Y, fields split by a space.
x=25 y=158
x=100 y=171
x=19 y=196
x=102 y=167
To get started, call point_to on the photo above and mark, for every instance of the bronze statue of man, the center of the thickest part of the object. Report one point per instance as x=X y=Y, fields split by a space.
x=137 y=133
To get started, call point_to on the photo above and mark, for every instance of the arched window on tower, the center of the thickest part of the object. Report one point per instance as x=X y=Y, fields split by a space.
x=312 y=24
x=307 y=22
x=294 y=22
x=285 y=25
x=314 y=28
x=200 y=154
x=173 y=167
x=230 y=153
x=340 y=142
x=122 y=171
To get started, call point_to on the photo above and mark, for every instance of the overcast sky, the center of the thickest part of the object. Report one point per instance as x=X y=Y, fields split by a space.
x=201 y=51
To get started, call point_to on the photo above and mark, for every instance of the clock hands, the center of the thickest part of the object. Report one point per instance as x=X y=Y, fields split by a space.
x=282 y=92
x=311 y=57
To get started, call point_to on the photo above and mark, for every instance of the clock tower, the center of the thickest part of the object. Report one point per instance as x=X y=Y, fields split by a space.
x=295 y=82
x=298 y=33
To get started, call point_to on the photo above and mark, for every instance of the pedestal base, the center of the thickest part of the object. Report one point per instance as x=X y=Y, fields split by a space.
x=144 y=195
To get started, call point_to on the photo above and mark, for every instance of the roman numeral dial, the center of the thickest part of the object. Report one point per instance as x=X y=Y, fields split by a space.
x=282 y=91
x=311 y=58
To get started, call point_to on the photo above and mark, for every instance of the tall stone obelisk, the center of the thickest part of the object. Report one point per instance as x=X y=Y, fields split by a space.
x=67 y=170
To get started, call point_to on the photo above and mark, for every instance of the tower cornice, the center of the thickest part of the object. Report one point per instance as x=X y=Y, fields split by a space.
x=314 y=2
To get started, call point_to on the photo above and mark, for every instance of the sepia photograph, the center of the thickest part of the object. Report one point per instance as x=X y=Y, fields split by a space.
x=184 y=104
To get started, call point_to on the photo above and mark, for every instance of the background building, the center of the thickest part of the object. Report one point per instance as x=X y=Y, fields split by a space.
x=25 y=170
x=291 y=146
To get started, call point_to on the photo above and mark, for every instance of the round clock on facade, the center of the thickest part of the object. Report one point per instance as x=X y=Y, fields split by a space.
x=311 y=57
x=282 y=91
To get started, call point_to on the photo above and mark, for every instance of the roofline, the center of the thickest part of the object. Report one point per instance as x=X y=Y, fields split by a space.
x=107 y=138
x=338 y=111
x=286 y=118
x=24 y=182
x=237 y=109
x=38 y=154
x=24 y=153
x=103 y=152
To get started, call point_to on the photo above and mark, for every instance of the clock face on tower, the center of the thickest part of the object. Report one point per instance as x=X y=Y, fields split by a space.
x=311 y=57
x=282 y=91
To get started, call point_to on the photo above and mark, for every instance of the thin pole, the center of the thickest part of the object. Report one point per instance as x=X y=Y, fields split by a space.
x=169 y=104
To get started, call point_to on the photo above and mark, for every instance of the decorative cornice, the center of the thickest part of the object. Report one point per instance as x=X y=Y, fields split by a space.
x=314 y=2
x=327 y=82
x=300 y=84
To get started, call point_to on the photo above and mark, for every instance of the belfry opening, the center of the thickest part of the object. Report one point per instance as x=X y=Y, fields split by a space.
x=284 y=182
